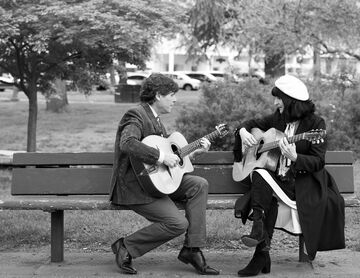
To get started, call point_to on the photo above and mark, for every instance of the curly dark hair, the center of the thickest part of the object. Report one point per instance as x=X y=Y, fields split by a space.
x=294 y=109
x=156 y=83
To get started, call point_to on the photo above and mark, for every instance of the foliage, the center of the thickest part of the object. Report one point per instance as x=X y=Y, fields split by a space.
x=274 y=28
x=223 y=103
x=76 y=39
x=340 y=110
x=235 y=103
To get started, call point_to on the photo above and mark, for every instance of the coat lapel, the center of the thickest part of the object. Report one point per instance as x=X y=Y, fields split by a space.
x=159 y=129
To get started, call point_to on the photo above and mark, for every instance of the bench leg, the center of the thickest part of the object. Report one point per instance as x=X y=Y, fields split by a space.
x=57 y=236
x=302 y=256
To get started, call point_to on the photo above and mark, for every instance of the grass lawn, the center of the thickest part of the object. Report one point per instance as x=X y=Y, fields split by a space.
x=90 y=125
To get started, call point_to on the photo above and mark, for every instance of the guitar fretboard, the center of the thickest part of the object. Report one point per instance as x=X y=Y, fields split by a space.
x=272 y=145
x=186 y=150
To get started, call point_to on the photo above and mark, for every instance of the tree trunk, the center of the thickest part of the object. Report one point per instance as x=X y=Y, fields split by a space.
x=122 y=73
x=275 y=64
x=112 y=79
x=32 y=121
x=15 y=94
x=112 y=75
x=316 y=66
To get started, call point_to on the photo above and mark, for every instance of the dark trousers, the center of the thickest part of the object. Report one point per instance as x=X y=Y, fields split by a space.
x=169 y=222
x=261 y=191
x=262 y=199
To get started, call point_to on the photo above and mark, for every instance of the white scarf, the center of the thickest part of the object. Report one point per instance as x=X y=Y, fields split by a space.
x=284 y=161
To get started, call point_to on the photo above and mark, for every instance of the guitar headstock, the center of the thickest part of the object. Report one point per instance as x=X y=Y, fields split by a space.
x=315 y=136
x=223 y=129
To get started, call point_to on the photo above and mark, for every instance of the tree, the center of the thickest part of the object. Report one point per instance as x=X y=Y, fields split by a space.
x=76 y=39
x=330 y=27
x=238 y=24
x=275 y=28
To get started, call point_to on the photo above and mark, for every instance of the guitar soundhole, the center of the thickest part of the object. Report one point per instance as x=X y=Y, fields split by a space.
x=175 y=150
x=258 y=154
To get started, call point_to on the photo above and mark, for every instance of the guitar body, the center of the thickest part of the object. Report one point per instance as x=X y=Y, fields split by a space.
x=252 y=159
x=163 y=180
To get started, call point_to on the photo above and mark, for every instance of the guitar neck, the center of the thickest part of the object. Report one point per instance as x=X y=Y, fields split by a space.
x=275 y=144
x=186 y=150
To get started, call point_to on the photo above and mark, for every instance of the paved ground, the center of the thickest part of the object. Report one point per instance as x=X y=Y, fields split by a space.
x=341 y=263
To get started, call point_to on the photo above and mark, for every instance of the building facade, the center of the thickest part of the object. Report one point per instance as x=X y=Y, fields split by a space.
x=169 y=56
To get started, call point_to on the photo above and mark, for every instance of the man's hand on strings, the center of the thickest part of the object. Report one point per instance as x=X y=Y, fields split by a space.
x=171 y=159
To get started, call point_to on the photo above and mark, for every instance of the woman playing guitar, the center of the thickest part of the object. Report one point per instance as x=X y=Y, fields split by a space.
x=298 y=172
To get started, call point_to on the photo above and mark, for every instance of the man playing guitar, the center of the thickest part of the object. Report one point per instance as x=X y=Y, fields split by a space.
x=157 y=97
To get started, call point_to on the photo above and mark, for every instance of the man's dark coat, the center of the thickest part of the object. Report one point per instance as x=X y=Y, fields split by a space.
x=135 y=125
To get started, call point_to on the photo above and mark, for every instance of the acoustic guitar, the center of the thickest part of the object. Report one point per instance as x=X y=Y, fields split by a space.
x=159 y=179
x=266 y=153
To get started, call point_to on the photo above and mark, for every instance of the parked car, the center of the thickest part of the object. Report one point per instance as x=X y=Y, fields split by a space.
x=257 y=75
x=202 y=76
x=184 y=82
x=219 y=75
x=136 y=78
x=224 y=76
x=6 y=78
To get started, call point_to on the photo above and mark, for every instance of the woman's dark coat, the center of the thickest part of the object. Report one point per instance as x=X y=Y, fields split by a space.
x=320 y=205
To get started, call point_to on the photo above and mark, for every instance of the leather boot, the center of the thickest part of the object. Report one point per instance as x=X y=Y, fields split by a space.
x=269 y=222
x=259 y=262
x=257 y=234
x=261 y=198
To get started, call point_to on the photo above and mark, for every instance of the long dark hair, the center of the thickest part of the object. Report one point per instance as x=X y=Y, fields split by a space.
x=294 y=109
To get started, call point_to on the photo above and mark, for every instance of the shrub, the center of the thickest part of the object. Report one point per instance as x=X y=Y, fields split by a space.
x=223 y=103
x=340 y=110
x=234 y=103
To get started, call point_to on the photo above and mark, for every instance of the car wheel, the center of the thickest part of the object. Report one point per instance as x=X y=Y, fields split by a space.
x=187 y=87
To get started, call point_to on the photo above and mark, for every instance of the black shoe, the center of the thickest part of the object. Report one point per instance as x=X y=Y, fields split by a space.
x=122 y=257
x=259 y=262
x=195 y=257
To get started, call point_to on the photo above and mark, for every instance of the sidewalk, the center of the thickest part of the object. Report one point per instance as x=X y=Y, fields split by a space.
x=340 y=263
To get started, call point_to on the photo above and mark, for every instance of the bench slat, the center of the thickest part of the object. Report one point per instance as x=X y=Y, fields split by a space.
x=215 y=158
x=339 y=157
x=216 y=167
x=24 y=159
x=94 y=202
x=60 y=181
x=106 y=158
x=101 y=202
x=220 y=180
x=344 y=177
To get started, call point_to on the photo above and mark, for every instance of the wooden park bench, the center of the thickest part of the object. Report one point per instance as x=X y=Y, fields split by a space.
x=55 y=182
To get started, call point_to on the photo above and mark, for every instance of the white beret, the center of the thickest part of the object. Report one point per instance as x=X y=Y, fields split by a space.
x=293 y=87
